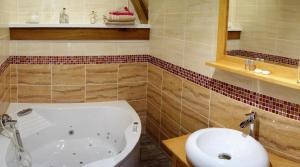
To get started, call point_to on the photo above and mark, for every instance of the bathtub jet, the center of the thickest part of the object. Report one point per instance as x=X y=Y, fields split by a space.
x=76 y=135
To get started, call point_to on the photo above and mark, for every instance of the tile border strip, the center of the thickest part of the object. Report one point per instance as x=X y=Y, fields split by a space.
x=267 y=57
x=264 y=102
x=77 y=59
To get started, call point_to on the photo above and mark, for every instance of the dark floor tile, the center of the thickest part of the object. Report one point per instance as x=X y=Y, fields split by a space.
x=152 y=155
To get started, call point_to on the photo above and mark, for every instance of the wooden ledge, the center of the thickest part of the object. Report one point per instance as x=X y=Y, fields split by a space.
x=73 y=33
x=280 y=75
x=234 y=35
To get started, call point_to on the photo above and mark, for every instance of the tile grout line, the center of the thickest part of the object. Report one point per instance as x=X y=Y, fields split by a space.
x=118 y=70
x=17 y=78
x=51 y=87
x=85 y=85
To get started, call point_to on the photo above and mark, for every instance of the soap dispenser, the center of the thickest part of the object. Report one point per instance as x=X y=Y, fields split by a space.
x=63 y=17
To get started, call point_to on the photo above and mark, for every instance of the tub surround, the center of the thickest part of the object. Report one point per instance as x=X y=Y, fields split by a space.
x=176 y=148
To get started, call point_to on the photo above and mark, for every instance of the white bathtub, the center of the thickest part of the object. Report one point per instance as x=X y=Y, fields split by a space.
x=71 y=135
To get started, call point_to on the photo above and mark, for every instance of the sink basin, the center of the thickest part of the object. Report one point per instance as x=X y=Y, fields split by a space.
x=221 y=147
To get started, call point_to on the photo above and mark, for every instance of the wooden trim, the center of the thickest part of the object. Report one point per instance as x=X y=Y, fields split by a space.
x=141 y=10
x=222 y=29
x=233 y=35
x=79 y=33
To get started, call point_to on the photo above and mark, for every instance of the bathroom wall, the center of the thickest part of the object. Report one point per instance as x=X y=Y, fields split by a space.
x=4 y=52
x=48 y=10
x=184 y=33
x=270 y=27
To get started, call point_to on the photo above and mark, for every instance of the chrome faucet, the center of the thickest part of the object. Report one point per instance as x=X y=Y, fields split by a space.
x=249 y=122
x=7 y=121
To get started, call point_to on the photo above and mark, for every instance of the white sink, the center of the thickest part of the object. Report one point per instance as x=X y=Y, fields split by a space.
x=221 y=147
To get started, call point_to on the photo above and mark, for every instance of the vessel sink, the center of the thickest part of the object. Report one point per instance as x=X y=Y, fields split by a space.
x=221 y=147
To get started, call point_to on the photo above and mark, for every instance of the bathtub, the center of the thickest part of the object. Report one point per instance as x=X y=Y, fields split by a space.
x=104 y=134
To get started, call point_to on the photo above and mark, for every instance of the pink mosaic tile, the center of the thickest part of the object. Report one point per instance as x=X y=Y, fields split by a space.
x=266 y=57
x=77 y=59
x=267 y=103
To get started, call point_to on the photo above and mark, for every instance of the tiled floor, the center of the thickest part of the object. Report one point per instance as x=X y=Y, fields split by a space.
x=152 y=155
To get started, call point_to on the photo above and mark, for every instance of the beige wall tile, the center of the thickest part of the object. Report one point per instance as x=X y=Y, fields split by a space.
x=30 y=48
x=68 y=74
x=153 y=113
x=13 y=93
x=155 y=75
x=153 y=129
x=174 y=26
x=100 y=48
x=192 y=120
x=34 y=74
x=196 y=98
x=68 y=94
x=133 y=48
x=34 y=94
x=13 y=74
x=171 y=108
x=132 y=91
x=98 y=93
x=278 y=133
x=172 y=85
x=133 y=72
x=101 y=73
x=169 y=126
x=154 y=96
x=279 y=161
x=140 y=106
x=228 y=112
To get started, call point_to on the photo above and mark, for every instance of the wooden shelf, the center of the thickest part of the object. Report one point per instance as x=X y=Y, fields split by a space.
x=234 y=35
x=177 y=147
x=280 y=75
x=78 y=33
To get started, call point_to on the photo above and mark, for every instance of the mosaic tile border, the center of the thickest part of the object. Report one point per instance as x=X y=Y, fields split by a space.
x=267 y=103
x=77 y=59
x=267 y=57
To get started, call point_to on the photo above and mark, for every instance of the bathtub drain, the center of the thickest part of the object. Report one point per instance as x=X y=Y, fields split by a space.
x=71 y=132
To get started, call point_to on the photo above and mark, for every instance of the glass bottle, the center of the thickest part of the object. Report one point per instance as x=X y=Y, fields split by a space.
x=93 y=17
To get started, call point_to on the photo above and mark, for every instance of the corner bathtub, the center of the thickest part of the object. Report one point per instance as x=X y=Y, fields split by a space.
x=102 y=134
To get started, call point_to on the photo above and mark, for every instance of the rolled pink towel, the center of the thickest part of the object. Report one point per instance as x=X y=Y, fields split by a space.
x=124 y=11
x=119 y=18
